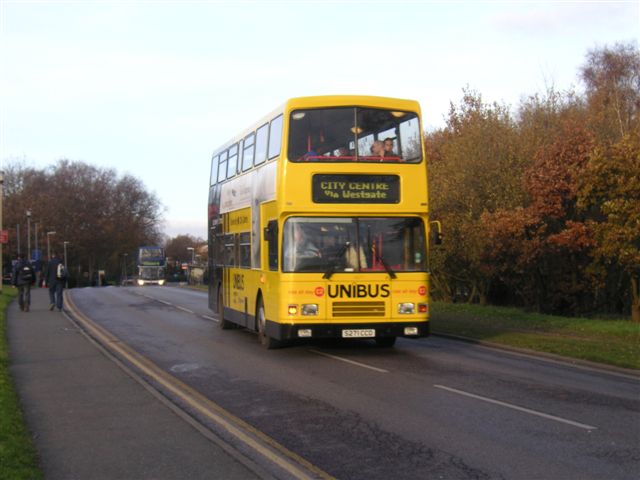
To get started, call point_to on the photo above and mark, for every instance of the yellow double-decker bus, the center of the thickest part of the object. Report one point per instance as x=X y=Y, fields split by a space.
x=318 y=223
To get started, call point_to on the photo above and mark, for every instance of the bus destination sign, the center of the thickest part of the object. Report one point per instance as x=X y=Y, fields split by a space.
x=328 y=188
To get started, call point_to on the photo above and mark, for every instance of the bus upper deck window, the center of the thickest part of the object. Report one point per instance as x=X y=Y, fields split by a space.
x=275 y=137
x=262 y=136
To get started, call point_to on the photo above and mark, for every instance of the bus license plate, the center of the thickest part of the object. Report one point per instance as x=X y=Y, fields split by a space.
x=359 y=333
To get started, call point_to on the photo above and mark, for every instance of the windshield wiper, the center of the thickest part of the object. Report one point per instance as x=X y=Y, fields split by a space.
x=334 y=263
x=391 y=273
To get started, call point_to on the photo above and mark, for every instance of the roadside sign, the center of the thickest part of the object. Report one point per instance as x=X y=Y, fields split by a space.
x=4 y=236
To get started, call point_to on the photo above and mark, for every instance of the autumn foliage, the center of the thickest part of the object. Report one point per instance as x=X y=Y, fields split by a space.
x=542 y=208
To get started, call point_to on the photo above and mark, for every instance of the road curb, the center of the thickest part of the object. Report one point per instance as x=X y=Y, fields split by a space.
x=544 y=355
x=146 y=372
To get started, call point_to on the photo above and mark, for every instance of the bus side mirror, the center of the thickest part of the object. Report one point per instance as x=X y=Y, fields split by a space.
x=436 y=230
x=271 y=231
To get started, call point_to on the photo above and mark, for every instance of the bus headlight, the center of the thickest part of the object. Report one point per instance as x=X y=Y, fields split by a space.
x=160 y=282
x=292 y=310
x=309 y=309
x=406 y=308
x=140 y=282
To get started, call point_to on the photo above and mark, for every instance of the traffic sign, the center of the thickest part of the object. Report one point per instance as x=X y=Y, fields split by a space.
x=4 y=236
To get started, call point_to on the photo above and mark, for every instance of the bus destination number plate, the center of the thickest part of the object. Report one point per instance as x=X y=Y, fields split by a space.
x=359 y=333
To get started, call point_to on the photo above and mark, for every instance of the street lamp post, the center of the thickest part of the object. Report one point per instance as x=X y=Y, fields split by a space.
x=193 y=259
x=125 y=255
x=36 y=238
x=66 y=277
x=29 y=236
x=49 y=245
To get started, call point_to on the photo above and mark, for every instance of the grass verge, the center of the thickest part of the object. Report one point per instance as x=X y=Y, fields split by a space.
x=18 y=456
x=613 y=342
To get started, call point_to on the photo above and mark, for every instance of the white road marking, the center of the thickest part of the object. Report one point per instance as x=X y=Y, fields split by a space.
x=184 y=309
x=516 y=407
x=297 y=466
x=346 y=360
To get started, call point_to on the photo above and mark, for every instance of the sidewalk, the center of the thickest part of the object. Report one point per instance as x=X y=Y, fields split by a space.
x=89 y=419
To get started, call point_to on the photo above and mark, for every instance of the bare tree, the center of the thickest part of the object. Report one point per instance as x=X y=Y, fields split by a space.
x=612 y=79
x=177 y=248
x=100 y=214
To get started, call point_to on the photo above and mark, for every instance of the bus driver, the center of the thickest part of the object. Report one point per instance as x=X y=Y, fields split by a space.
x=299 y=248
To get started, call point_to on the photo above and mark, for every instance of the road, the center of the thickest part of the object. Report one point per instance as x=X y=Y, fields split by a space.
x=428 y=408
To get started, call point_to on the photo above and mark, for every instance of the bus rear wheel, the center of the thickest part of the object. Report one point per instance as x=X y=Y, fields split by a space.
x=222 y=323
x=266 y=341
x=385 y=342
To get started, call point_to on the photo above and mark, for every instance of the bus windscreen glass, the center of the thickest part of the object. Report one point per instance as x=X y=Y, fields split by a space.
x=354 y=134
x=352 y=244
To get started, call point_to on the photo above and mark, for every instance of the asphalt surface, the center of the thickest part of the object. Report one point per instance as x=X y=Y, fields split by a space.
x=90 y=420
x=433 y=408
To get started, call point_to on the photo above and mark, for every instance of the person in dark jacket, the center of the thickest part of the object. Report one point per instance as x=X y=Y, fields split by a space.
x=56 y=277
x=23 y=277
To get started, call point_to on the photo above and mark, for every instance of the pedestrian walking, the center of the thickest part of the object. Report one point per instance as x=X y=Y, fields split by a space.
x=56 y=277
x=23 y=277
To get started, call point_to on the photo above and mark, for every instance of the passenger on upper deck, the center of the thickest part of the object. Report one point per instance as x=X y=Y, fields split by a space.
x=344 y=152
x=377 y=150
x=388 y=148
x=314 y=153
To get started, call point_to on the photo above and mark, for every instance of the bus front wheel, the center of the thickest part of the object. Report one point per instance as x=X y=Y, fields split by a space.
x=265 y=340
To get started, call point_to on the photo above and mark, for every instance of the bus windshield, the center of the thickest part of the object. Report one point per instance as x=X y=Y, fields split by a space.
x=354 y=134
x=151 y=273
x=353 y=244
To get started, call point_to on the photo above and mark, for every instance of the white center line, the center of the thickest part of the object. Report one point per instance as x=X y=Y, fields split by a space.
x=515 y=407
x=184 y=309
x=207 y=317
x=346 y=360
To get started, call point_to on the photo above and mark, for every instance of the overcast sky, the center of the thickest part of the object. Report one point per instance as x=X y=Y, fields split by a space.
x=151 y=88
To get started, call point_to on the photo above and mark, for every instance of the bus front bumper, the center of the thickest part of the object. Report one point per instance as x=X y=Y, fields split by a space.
x=281 y=331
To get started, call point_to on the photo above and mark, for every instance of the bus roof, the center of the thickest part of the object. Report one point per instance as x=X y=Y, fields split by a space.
x=320 y=101
x=351 y=101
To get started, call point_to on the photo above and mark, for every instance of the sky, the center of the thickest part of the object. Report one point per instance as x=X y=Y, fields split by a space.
x=152 y=88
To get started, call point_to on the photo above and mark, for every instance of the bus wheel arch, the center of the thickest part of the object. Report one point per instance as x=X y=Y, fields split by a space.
x=261 y=326
x=259 y=301
x=222 y=323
